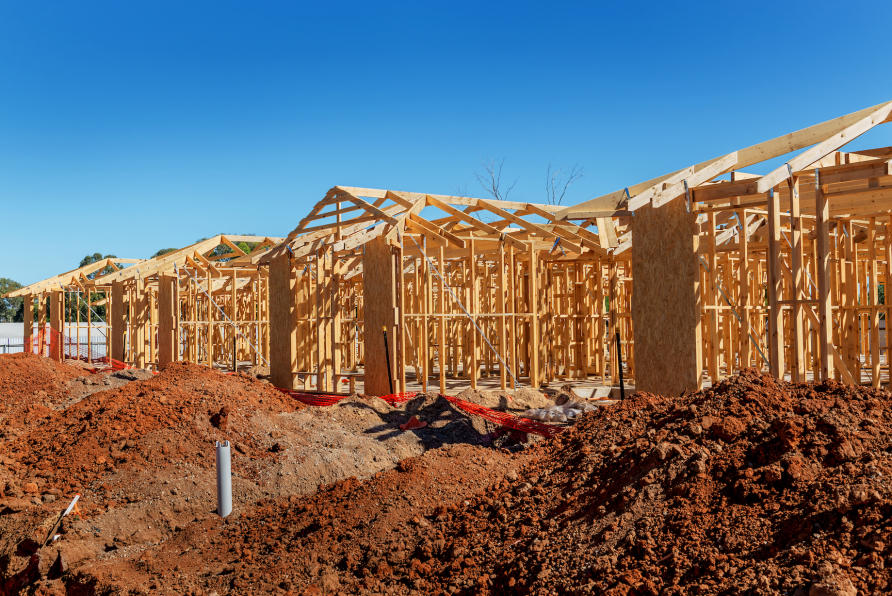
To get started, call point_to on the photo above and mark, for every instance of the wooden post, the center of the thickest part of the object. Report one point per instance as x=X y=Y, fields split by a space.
x=56 y=325
x=167 y=302
x=534 y=318
x=712 y=303
x=874 y=313
x=775 y=289
x=115 y=316
x=28 y=311
x=743 y=294
x=138 y=323
x=666 y=317
x=472 y=305
x=282 y=323
x=825 y=312
x=379 y=293
x=503 y=341
x=799 y=368
x=41 y=323
x=441 y=319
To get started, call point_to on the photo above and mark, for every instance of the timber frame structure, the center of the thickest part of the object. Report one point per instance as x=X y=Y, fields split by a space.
x=443 y=287
x=702 y=272
x=781 y=270
x=205 y=303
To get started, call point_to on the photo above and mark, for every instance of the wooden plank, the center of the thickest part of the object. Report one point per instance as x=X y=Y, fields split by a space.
x=28 y=323
x=167 y=304
x=716 y=168
x=534 y=317
x=874 y=314
x=745 y=157
x=775 y=289
x=887 y=298
x=57 y=327
x=436 y=230
x=834 y=142
x=799 y=364
x=283 y=335
x=712 y=314
x=744 y=290
x=824 y=273
x=532 y=227
x=380 y=304
x=483 y=226
x=441 y=322
x=666 y=319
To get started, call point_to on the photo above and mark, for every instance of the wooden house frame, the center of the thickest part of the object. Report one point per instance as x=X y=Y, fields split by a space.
x=205 y=303
x=382 y=283
x=781 y=270
x=702 y=272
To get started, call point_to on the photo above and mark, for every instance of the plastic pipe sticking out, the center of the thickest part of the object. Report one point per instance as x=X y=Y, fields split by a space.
x=224 y=479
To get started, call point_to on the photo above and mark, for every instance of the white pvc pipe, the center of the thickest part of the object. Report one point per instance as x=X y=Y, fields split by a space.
x=224 y=479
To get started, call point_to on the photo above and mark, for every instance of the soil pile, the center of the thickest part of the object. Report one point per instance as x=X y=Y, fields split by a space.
x=171 y=417
x=347 y=530
x=753 y=486
x=32 y=380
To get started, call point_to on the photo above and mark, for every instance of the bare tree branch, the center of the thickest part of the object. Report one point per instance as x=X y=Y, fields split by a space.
x=556 y=184
x=491 y=180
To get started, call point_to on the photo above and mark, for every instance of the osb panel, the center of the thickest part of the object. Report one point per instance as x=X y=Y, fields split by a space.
x=56 y=323
x=379 y=299
x=282 y=326
x=116 y=317
x=166 y=319
x=665 y=299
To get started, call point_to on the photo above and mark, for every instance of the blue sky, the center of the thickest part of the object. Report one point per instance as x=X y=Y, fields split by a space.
x=126 y=127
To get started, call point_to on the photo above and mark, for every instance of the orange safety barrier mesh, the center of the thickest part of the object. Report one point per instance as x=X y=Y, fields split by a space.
x=314 y=399
x=399 y=398
x=505 y=419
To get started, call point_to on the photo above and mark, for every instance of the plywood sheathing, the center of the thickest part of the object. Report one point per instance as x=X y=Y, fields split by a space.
x=666 y=299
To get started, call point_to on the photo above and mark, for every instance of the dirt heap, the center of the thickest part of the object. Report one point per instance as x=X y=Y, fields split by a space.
x=752 y=486
x=347 y=530
x=139 y=449
x=31 y=385
x=172 y=417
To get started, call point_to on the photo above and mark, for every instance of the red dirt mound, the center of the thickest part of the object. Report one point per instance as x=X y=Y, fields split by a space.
x=172 y=417
x=23 y=375
x=30 y=388
x=754 y=486
x=298 y=543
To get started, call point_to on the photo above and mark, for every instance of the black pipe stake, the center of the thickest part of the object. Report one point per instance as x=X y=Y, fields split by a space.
x=387 y=355
x=234 y=359
x=619 y=367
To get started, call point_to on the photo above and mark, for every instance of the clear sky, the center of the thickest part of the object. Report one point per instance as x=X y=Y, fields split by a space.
x=126 y=127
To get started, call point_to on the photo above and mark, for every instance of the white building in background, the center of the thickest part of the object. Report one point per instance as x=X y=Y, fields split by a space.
x=77 y=340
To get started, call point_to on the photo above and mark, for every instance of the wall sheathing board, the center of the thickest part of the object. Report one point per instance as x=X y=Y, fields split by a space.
x=283 y=323
x=666 y=299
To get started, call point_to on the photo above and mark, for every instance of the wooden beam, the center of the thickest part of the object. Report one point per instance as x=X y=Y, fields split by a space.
x=834 y=142
x=775 y=289
x=745 y=157
x=825 y=312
